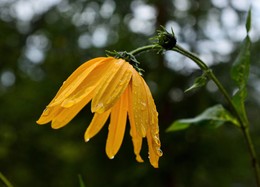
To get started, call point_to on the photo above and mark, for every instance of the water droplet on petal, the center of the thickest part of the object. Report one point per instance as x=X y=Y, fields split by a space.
x=112 y=157
x=156 y=139
x=68 y=103
x=143 y=104
x=121 y=82
x=159 y=152
x=87 y=140
x=99 y=105
x=46 y=111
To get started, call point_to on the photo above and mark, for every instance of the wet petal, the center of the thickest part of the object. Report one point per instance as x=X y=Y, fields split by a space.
x=48 y=114
x=96 y=124
x=153 y=155
x=90 y=83
x=136 y=138
x=76 y=78
x=154 y=144
x=67 y=114
x=113 y=85
x=139 y=104
x=117 y=126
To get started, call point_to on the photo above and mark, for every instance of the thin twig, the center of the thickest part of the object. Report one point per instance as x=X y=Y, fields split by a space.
x=5 y=180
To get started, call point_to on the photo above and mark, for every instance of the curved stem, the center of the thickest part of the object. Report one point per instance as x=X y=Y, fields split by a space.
x=244 y=124
x=145 y=48
x=209 y=73
x=5 y=181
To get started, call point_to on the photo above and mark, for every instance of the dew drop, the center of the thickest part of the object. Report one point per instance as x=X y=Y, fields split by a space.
x=159 y=152
x=68 y=103
x=99 y=105
x=46 y=111
x=157 y=140
x=112 y=157
x=87 y=140
x=121 y=82
x=143 y=104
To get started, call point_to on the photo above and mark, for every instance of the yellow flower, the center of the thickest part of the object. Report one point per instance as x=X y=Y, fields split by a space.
x=116 y=90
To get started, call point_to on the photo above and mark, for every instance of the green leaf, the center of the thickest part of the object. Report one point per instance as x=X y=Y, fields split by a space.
x=240 y=72
x=214 y=116
x=199 y=82
x=240 y=69
x=248 y=21
x=81 y=182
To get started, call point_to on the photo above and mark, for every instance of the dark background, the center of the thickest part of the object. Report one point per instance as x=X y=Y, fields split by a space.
x=43 y=41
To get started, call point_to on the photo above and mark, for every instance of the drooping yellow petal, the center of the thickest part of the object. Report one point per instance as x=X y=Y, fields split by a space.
x=117 y=125
x=153 y=154
x=76 y=78
x=48 y=114
x=139 y=104
x=154 y=144
x=67 y=114
x=80 y=92
x=113 y=85
x=87 y=86
x=136 y=138
x=96 y=124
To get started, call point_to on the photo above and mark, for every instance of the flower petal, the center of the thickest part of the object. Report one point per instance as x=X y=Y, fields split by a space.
x=90 y=83
x=117 y=126
x=139 y=104
x=112 y=86
x=136 y=138
x=48 y=114
x=153 y=154
x=76 y=78
x=153 y=140
x=96 y=124
x=67 y=114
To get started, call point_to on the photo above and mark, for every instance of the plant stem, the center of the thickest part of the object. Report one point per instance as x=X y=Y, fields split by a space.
x=144 y=49
x=5 y=181
x=244 y=124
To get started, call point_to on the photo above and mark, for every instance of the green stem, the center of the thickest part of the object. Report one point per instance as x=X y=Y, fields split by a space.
x=210 y=74
x=244 y=124
x=5 y=181
x=144 y=49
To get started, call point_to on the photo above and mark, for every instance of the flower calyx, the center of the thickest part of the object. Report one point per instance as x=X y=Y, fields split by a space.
x=165 y=39
x=130 y=58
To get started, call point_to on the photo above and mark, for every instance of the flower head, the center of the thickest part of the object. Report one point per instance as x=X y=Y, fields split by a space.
x=116 y=90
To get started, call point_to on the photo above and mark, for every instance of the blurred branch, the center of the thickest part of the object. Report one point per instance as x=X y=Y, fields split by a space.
x=5 y=180
x=244 y=124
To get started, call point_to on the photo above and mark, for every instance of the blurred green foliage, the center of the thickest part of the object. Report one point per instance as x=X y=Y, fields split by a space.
x=42 y=43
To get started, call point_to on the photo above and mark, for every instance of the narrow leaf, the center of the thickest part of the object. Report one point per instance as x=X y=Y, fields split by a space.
x=240 y=72
x=240 y=69
x=81 y=182
x=199 y=82
x=248 y=21
x=214 y=116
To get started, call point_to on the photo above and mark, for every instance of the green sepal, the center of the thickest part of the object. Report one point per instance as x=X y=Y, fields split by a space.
x=127 y=57
x=165 y=39
x=199 y=82
x=214 y=117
